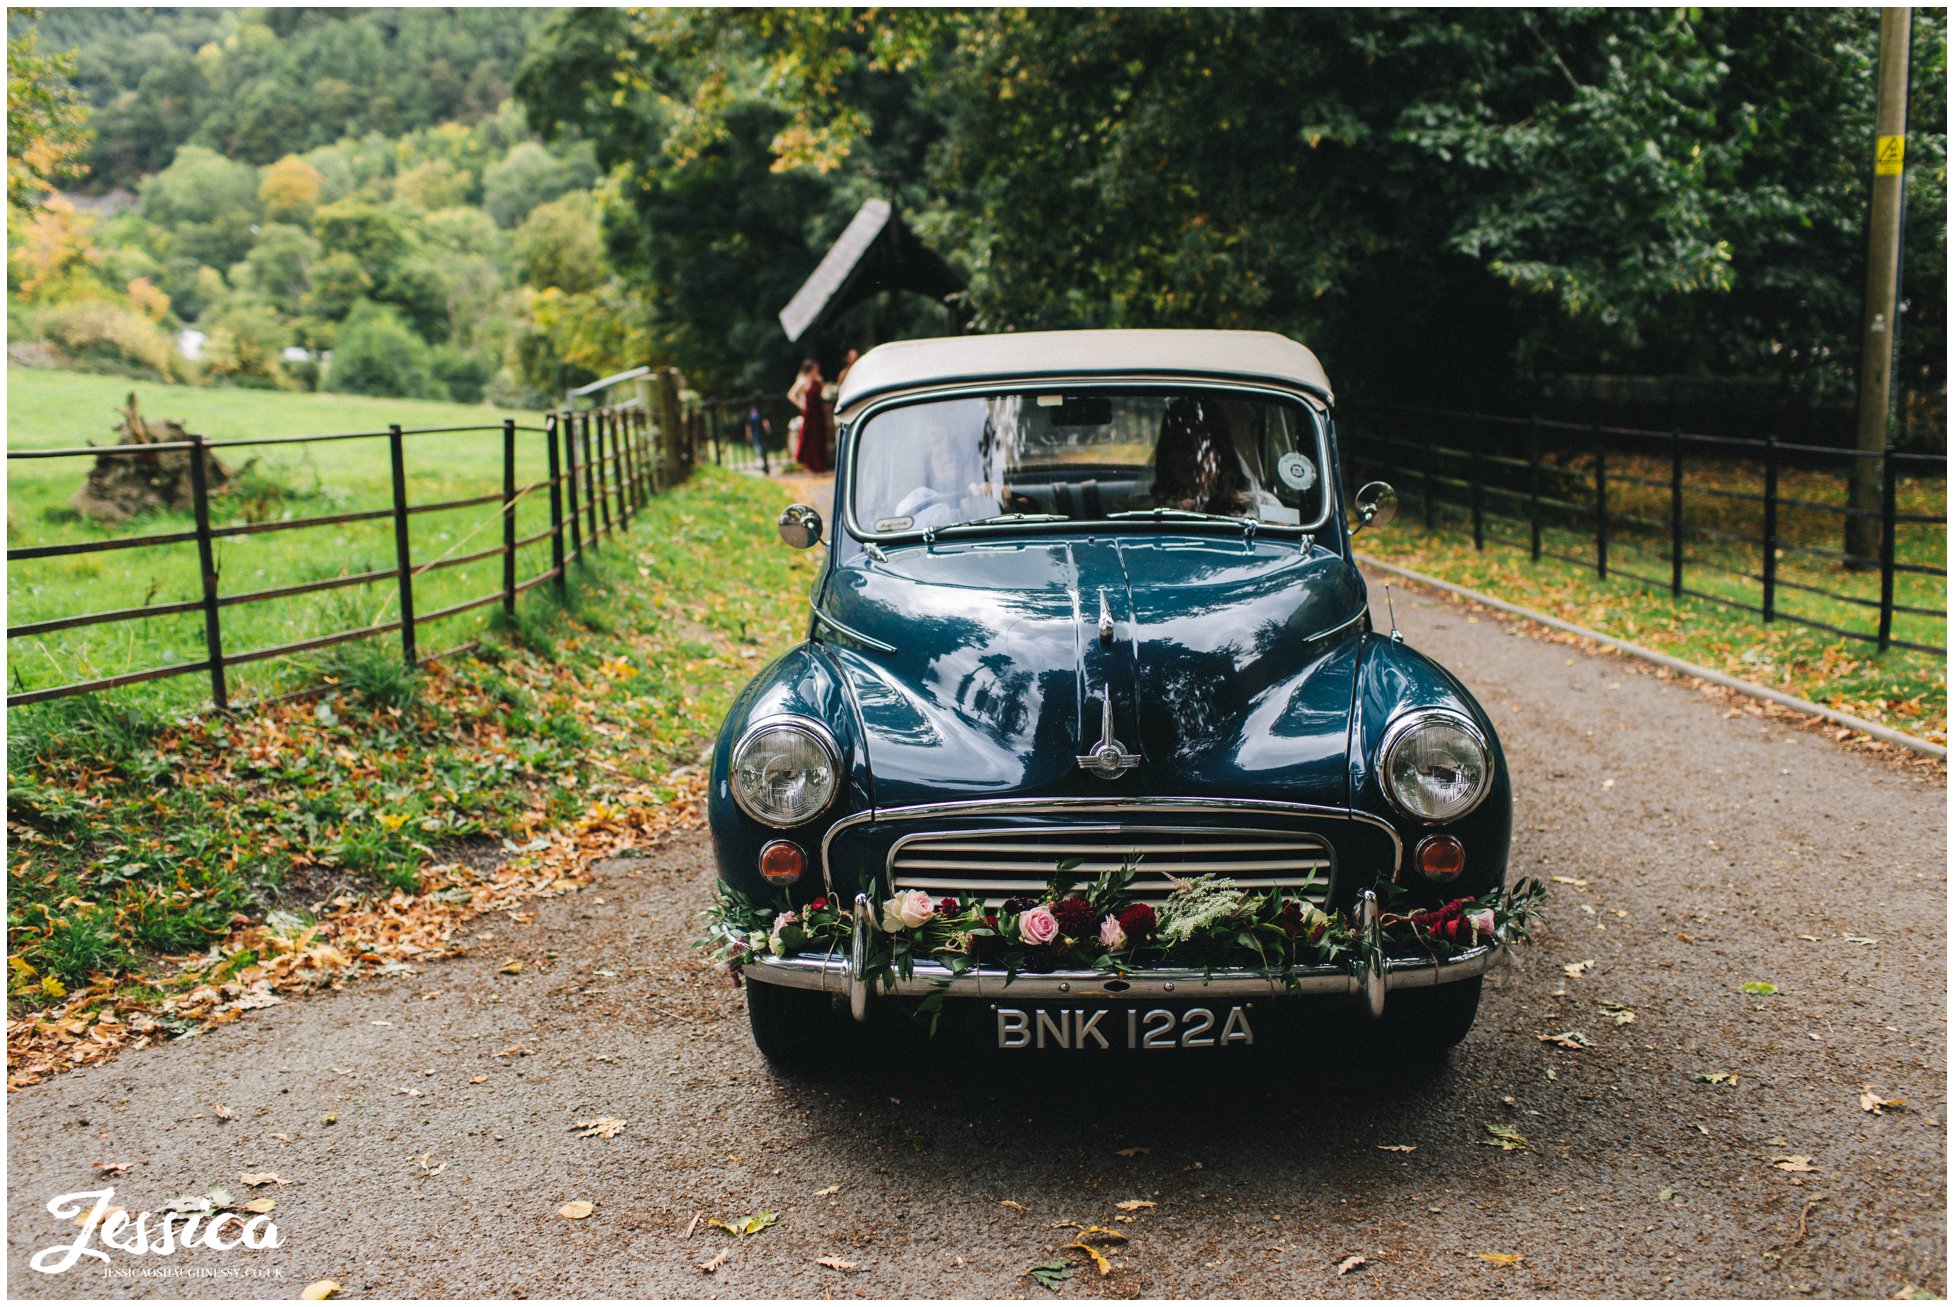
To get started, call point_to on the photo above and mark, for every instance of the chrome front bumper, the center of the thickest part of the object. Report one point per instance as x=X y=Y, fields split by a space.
x=834 y=973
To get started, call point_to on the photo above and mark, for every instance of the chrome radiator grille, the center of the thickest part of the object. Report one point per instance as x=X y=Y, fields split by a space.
x=996 y=864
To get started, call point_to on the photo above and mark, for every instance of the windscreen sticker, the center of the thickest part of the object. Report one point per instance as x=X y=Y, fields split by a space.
x=1297 y=472
x=894 y=524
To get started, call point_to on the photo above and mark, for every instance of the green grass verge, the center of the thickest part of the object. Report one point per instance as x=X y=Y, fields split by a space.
x=137 y=836
x=1902 y=689
x=48 y=409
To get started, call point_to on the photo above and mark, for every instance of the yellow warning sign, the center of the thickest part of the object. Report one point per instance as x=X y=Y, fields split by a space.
x=1890 y=159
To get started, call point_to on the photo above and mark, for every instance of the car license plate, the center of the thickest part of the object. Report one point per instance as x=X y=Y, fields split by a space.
x=1093 y=1028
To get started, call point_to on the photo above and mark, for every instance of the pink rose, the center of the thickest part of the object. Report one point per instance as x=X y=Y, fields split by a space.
x=1038 y=926
x=907 y=911
x=1481 y=922
x=1111 y=937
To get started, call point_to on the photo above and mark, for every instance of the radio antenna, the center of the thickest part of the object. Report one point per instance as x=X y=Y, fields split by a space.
x=1389 y=608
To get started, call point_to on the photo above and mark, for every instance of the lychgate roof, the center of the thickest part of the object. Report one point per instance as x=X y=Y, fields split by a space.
x=1247 y=355
x=875 y=252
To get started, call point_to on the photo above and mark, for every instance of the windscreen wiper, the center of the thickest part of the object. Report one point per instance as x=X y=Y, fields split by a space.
x=1181 y=515
x=1001 y=519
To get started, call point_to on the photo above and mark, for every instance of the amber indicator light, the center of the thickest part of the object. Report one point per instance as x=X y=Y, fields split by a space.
x=1441 y=856
x=782 y=862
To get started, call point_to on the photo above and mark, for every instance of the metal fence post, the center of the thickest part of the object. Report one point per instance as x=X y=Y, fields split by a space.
x=600 y=492
x=1600 y=504
x=620 y=467
x=646 y=458
x=1533 y=483
x=1888 y=502
x=626 y=440
x=575 y=513
x=556 y=507
x=509 y=515
x=589 y=477
x=1676 y=511
x=1770 y=528
x=1473 y=475
x=206 y=565
x=403 y=552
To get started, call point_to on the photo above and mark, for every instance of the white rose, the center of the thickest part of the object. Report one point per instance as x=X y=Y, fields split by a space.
x=907 y=911
x=1481 y=922
x=1111 y=937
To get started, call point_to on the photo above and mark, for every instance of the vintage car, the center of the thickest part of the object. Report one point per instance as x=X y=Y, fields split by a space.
x=1092 y=741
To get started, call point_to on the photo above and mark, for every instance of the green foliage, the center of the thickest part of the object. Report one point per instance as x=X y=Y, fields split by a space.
x=45 y=116
x=559 y=245
x=528 y=176
x=374 y=670
x=375 y=354
x=209 y=204
x=1453 y=203
x=243 y=348
x=258 y=84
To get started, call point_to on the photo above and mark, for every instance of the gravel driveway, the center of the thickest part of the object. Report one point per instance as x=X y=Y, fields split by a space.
x=422 y=1125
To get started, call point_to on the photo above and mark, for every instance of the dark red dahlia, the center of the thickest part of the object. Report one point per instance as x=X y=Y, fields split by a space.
x=1019 y=905
x=1290 y=918
x=948 y=907
x=1138 y=922
x=1046 y=957
x=1075 y=917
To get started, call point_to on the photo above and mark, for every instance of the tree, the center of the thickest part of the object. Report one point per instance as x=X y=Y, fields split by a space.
x=375 y=354
x=1619 y=190
x=527 y=176
x=291 y=190
x=208 y=202
x=279 y=267
x=559 y=244
x=45 y=117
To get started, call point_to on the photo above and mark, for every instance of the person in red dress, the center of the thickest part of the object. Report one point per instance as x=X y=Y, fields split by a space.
x=811 y=445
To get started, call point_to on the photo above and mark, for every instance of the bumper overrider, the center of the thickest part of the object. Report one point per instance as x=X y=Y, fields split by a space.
x=1367 y=978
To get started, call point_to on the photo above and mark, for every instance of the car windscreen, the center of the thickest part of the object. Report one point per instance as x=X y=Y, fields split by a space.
x=1094 y=456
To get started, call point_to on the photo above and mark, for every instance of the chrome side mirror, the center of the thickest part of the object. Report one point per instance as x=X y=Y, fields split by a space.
x=1376 y=504
x=800 y=526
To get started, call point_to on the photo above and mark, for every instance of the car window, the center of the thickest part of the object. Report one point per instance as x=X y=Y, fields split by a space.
x=1087 y=456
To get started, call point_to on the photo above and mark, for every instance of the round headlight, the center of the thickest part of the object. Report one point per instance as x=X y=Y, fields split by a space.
x=1435 y=765
x=784 y=772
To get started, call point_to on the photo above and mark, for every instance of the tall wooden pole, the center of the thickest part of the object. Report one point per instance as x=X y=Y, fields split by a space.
x=1882 y=286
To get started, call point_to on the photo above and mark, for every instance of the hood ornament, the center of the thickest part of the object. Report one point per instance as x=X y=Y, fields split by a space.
x=1108 y=759
x=1105 y=621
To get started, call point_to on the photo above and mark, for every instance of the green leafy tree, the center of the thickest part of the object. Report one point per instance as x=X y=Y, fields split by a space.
x=560 y=244
x=527 y=176
x=339 y=285
x=375 y=353
x=45 y=116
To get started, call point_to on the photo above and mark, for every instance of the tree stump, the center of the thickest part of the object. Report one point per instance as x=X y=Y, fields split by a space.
x=122 y=486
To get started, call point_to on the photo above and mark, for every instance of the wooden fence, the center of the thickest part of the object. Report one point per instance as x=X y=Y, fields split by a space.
x=1572 y=482
x=603 y=465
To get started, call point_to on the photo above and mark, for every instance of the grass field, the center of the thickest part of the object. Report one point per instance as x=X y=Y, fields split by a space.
x=49 y=409
x=139 y=837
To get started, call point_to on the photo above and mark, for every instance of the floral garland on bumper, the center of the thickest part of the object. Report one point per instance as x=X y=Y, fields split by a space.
x=1206 y=923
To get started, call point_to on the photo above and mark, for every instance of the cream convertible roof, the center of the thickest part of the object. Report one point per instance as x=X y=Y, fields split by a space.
x=1260 y=355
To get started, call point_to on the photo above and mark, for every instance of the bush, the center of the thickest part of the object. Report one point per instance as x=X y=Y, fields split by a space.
x=244 y=349
x=465 y=374
x=103 y=336
x=375 y=354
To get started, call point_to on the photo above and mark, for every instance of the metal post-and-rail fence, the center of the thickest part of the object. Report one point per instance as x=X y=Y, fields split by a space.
x=1555 y=480
x=600 y=473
